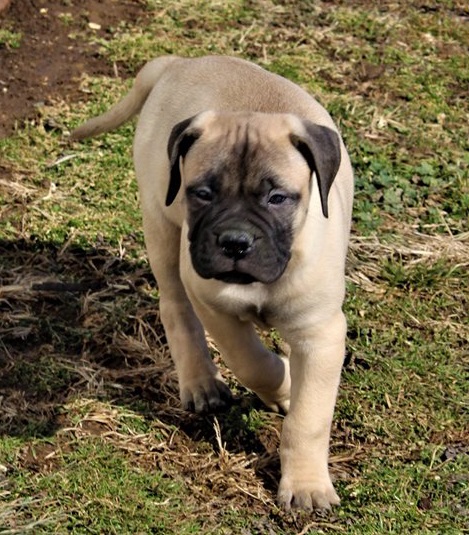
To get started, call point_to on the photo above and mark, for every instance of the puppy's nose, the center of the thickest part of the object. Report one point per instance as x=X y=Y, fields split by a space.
x=235 y=243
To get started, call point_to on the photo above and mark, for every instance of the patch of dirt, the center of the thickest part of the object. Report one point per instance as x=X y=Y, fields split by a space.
x=54 y=51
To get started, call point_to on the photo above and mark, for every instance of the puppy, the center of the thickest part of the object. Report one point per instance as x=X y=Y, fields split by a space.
x=246 y=191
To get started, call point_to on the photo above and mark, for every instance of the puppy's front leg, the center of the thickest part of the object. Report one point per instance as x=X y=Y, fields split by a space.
x=254 y=365
x=315 y=362
x=201 y=385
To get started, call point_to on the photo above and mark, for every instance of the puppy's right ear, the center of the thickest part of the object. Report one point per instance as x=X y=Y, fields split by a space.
x=180 y=141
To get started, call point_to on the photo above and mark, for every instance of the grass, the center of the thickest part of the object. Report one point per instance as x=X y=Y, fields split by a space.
x=93 y=439
x=9 y=39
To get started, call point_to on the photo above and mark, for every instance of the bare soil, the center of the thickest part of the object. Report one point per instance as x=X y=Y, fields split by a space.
x=55 y=50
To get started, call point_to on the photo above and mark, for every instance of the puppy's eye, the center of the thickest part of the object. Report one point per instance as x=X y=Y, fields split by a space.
x=277 y=198
x=203 y=193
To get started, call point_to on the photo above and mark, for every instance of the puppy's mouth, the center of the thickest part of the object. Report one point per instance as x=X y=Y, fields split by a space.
x=235 y=277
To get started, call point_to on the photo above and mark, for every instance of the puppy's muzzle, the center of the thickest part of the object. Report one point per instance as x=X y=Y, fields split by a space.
x=235 y=243
x=236 y=250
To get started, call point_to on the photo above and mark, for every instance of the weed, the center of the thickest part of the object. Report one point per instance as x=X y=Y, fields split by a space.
x=10 y=39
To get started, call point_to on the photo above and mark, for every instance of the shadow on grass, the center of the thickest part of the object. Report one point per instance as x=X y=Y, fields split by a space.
x=74 y=322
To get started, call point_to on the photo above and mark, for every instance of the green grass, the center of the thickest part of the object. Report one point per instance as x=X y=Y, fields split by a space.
x=93 y=438
x=10 y=39
x=91 y=486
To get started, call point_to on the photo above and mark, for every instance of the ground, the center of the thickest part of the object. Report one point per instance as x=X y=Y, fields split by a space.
x=53 y=56
x=93 y=439
x=48 y=66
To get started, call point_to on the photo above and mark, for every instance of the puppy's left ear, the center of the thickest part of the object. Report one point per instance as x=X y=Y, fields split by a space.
x=181 y=139
x=320 y=147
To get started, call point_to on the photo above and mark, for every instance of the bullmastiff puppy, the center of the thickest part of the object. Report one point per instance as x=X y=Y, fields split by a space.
x=246 y=191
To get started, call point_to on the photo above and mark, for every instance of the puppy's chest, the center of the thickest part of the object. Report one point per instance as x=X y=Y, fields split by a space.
x=248 y=304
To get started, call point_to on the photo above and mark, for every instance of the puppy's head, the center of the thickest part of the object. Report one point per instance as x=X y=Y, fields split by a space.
x=246 y=180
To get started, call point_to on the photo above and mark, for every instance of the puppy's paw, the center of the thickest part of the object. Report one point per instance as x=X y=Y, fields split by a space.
x=318 y=495
x=207 y=394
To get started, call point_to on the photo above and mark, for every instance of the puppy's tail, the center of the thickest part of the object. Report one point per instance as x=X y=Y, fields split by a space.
x=130 y=105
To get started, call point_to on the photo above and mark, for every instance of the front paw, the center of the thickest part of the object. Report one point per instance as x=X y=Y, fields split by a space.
x=206 y=394
x=319 y=495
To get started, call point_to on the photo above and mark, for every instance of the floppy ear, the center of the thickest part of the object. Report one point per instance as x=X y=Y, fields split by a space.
x=320 y=147
x=181 y=139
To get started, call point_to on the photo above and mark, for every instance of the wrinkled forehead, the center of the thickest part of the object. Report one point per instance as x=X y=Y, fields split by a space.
x=249 y=150
x=241 y=130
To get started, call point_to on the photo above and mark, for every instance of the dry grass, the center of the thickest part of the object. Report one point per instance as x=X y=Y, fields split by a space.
x=410 y=246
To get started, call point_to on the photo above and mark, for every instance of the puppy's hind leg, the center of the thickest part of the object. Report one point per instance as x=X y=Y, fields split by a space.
x=201 y=386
